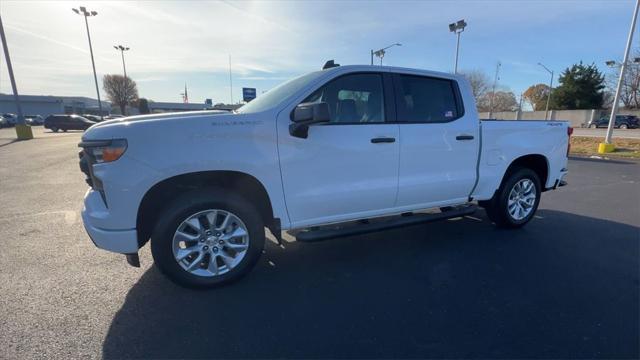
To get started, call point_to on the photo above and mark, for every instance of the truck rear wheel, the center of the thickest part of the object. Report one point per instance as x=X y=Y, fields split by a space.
x=517 y=199
x=207 y=238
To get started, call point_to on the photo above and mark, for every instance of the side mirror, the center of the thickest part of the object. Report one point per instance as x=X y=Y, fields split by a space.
x=306 y=114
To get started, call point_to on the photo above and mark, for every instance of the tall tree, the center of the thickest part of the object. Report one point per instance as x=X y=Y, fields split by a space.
x=479 y=82
x=120 y=91
x=581 y=87
x=502 y=101
x=537 y=95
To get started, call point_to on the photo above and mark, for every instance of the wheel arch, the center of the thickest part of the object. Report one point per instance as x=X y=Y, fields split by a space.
x=536 y=162
x=161 y=193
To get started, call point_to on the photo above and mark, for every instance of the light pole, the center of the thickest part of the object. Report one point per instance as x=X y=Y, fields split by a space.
x=86 y=13
x=546 y=110
x=493 y=90
x=380 y=53
x=122 y=49
x=22 y=130
x=457 y=28
x=607 y=146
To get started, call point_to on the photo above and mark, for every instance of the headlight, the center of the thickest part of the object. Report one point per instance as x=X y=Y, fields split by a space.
x=104 y=151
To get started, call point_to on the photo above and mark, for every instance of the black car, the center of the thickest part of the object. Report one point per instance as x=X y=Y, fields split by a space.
x=67 y=122
x=622 y=122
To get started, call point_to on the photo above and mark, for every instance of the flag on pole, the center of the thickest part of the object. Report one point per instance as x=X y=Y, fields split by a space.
x=185 y=96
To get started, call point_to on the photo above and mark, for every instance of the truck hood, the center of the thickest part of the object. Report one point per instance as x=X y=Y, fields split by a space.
x=118 y=128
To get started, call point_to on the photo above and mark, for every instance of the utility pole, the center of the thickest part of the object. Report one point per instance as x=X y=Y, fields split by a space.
x=520 y=103
x=546 y=110
x=371 y=56
x=607 y=146
x=84 y=12
x=493 y=91
x=23 y=131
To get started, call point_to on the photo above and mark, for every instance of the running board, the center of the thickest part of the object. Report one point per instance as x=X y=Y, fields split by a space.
x=364 y=227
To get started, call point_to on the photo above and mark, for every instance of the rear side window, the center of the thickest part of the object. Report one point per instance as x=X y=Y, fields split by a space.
x=427 y=100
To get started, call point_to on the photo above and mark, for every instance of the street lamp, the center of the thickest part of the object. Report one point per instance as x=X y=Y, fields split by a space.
x=607 y=146
x=122 y=49
x=86 y=13
x=380 y=53
x=457 y=28
x=613 y=63
x=546 y=110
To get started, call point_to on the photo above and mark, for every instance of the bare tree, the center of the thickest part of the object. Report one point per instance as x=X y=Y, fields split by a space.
x=502 y=101
x=120 y=91
x=479 y=82
x=536 y=96
x=630 y=91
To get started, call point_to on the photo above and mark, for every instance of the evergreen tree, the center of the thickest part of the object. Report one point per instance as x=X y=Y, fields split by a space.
x=581 y=87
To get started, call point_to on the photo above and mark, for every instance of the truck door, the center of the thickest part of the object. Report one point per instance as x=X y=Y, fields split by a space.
x=440 y=142
x=347 y=168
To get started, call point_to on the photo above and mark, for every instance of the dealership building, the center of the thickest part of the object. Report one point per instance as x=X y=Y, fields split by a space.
x=46 y=105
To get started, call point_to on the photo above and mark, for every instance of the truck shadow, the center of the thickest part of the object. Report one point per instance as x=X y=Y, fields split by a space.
x=564 y=286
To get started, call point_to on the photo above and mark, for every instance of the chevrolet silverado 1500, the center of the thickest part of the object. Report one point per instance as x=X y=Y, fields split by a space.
x=341 y=151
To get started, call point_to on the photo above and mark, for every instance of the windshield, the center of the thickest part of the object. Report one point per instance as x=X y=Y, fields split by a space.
x=276 y=95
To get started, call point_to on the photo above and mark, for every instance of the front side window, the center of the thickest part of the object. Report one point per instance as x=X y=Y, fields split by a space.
x=427 y=100
x=356 y=98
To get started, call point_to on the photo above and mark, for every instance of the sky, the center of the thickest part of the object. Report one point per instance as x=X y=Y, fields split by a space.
x=173 y=43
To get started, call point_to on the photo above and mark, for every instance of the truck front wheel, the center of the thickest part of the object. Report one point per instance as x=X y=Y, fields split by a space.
x=207 y=238
x=517 y=199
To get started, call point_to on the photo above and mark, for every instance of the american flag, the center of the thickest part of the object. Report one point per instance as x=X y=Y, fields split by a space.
x=185 y=95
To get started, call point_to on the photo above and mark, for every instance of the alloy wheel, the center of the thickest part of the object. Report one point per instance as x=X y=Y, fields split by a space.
x=210 y=243
x=522 y=198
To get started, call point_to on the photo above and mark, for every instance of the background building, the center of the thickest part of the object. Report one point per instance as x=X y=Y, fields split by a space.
x=46 y=105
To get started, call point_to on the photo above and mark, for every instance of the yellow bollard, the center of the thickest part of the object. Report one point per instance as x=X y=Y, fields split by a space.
x=24 y=132
x=604 y=148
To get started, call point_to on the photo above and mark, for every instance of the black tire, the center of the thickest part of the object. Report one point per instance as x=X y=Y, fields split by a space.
x=54 y=129
x=65 y=130
x=190 y=203
x=497 y=207
x=624 y=126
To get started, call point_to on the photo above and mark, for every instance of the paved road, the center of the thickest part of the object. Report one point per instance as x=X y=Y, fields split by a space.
x=566 y=286
x=617 y=133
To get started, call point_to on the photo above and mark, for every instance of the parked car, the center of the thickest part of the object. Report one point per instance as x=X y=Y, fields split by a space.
x=67 y=122
x=3 y=122
x=12 y=119
x=336 y=146
x=34 y=120
x=621 y=122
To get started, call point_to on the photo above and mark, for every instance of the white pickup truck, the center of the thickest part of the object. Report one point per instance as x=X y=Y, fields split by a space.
x=345 y=150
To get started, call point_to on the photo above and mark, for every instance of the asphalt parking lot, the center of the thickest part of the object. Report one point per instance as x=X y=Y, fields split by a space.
x=565 y=286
